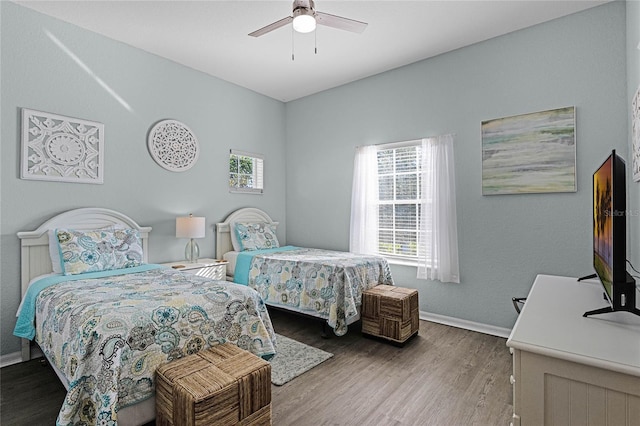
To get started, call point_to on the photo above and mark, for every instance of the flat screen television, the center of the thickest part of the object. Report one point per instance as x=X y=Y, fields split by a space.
x=609 y=237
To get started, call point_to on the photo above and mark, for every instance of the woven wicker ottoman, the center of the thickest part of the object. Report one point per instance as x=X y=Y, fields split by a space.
x=390 y=313
x=223 y=385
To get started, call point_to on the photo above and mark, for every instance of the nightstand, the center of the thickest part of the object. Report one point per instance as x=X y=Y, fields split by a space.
x=210 y=268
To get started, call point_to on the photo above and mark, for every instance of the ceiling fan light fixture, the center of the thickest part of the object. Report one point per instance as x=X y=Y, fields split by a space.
x=303 y=20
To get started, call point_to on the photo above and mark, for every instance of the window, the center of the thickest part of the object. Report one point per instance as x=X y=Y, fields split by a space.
x=399 y=199
x=246 y=172
x=403 y=205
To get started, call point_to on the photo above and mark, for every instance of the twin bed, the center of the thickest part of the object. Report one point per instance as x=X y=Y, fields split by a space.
x=105 y=327
x=325 y=284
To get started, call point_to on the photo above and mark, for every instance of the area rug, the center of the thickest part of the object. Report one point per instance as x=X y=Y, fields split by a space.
x=294 y=358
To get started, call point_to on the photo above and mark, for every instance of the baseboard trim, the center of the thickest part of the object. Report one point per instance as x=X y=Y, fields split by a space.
x=16 y=357
x=10 y=359
x=465 y=324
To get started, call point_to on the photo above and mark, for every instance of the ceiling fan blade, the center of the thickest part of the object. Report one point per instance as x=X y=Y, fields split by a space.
x=340 y=23
x=271 y=27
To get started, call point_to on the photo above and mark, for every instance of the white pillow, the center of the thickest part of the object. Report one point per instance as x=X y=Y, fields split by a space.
x=234 y=237
x=54 y=251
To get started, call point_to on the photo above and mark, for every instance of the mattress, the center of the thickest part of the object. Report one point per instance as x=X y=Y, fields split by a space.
x=231 y=257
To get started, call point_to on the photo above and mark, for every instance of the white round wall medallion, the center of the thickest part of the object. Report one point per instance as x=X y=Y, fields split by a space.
x=173 y=145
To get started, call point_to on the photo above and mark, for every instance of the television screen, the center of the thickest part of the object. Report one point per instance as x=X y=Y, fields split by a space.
x=603 y=225
x=609 y=237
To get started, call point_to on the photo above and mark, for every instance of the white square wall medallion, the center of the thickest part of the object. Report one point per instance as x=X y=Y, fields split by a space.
x=60 y=148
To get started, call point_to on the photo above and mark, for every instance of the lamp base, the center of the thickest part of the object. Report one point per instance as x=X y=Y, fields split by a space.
x=192 y=251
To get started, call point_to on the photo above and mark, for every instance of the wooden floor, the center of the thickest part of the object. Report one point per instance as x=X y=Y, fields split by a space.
x=444 y=376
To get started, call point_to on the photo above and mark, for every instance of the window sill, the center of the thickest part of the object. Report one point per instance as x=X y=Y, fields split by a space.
x=245 y=191
x=403 y=262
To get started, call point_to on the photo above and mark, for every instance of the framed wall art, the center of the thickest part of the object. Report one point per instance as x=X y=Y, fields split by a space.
x=60 y=148
x=530 y=153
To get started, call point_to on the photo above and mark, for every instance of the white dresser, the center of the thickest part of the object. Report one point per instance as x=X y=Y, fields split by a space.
x=571 y=370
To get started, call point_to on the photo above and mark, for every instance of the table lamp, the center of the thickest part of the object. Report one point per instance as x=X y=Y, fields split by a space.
x=190 y=227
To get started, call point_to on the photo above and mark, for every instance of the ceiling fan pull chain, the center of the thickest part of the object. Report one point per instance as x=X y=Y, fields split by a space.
x=315 y=41
x=293 y=45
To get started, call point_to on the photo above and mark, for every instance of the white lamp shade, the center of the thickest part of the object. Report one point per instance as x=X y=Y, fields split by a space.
x=190 y=227
x=304 y=23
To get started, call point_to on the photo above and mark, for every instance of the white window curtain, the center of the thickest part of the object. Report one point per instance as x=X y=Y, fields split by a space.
x=363 y=237
x=438 y=236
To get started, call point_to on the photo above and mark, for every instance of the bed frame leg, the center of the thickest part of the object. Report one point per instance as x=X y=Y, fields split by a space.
x=25 y=350
x=324 y=333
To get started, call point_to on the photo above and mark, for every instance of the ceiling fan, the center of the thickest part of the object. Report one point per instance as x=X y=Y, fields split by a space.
x=305 y=18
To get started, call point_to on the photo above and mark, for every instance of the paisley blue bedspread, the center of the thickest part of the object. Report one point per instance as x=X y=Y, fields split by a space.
x=109 y=335
x=322 y=283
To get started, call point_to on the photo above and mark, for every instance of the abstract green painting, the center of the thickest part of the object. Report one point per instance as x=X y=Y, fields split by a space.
x=530 y=153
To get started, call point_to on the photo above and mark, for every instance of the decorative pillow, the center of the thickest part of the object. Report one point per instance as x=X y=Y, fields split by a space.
x=256 y=236
x=54 y=250
x=98 y=250
x=128 y=252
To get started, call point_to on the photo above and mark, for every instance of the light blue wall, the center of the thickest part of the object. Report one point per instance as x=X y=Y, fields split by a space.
x=504 y=241
x=633 y=84
x=37 y=74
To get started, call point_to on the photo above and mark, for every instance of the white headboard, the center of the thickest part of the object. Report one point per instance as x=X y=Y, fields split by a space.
x=223 y=230
x=34 y=245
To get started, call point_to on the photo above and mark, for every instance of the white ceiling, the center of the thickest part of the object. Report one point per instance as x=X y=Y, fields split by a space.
x=211 y=36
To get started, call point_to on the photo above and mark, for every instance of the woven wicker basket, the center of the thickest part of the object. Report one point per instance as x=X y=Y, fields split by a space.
x=390 y=313
x=223 y=385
